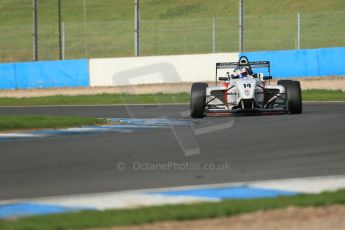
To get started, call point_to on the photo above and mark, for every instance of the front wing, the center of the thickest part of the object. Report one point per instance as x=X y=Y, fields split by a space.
x=225 y=108
x=255 y=111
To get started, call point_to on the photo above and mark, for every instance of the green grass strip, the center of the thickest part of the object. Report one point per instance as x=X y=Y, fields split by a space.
x=323 y=95
x=97 y=219
x=21 y=122
x=107 y=99
x=98 y=99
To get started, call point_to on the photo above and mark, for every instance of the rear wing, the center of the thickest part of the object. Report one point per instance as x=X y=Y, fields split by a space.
x=251 y=65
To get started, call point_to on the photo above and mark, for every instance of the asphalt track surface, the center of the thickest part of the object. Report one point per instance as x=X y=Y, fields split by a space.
x=255 y=147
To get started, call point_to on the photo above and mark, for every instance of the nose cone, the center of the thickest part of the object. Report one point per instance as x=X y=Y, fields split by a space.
x=246 y=88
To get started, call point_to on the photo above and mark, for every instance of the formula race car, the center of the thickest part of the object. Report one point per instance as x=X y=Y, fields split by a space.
x=244 y=91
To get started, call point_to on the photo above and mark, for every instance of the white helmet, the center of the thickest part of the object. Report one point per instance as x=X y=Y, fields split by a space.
x=240 y=72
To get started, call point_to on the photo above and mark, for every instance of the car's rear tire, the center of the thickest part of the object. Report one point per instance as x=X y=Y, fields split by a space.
x=198 y=100
x=294 y=95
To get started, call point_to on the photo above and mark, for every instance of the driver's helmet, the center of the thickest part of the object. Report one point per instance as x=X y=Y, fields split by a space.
x=240 y=72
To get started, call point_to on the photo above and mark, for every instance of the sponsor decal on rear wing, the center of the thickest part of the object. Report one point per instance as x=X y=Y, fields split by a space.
x=233 y=65
x=255 y=64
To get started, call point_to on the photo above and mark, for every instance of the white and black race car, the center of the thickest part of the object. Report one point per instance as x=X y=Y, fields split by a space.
x=251 y=93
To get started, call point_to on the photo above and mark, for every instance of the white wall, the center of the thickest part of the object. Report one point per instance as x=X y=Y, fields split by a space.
x=156 y=69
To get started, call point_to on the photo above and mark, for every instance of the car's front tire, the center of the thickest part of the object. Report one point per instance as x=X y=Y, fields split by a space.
x=294 y=95
x=198 y=100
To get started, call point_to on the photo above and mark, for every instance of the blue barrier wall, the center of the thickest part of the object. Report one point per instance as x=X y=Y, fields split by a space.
x=303 y=63
x=45 y=74
x=75 y=73
x=7 y=76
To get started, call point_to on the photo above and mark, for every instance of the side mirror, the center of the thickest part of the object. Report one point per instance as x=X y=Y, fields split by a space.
x=267 y=77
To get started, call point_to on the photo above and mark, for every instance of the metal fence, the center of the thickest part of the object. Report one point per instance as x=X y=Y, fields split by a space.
x=105 y=28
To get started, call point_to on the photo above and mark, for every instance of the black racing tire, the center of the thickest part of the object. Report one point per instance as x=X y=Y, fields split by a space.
x=294 y=95
x=284 y=83
x=198 y=100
